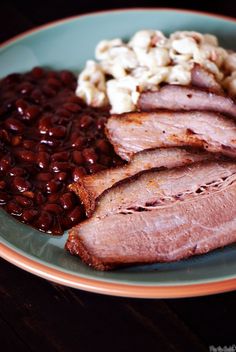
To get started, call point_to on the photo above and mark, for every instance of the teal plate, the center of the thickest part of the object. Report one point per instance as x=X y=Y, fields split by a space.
x=67 y=44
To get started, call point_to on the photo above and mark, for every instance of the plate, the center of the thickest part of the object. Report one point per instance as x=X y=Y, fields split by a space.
x=66 y=44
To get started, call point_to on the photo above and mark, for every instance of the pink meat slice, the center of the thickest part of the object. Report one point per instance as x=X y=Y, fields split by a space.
x=201 y=220
x=90 y=188
x=175 y=97
x=158 y=188
x=204 y=79
x=131 y=133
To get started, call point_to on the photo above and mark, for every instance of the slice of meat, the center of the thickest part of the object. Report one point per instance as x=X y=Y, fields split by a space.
x=91 y=187
x=131 y=133
x=172 y=232
x=155 y=189
x=175 y=97
x=204 y=79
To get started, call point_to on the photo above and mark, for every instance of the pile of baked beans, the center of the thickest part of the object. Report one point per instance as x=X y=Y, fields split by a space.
x=48 y=139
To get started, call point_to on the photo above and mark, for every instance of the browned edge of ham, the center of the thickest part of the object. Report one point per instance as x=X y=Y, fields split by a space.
x=202 y=78
x=90 y=188
x=162 y=235
x=134 y=132
x=157 y=188
x=176 y=97
x=194 y=212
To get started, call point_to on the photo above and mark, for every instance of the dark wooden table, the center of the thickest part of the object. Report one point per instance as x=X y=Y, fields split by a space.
x=37 y=315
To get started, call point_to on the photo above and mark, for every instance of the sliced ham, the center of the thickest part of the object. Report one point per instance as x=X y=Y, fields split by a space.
x=196 y=216
x=175 y=97
x=204 y=79
x=155 y=189
x=131 y=133
x=91 y=187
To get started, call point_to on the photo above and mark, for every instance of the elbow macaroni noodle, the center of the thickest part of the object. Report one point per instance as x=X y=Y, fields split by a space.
x=123 y=70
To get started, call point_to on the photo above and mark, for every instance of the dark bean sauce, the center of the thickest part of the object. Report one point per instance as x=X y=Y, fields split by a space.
x=48 y=139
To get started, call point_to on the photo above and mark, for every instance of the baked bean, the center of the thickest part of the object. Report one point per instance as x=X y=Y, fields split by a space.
x=85 y=121
x=14 y=125
x=9 y=104
x=26 y=155
x=77 y=157
x=4 y=197
x=31 y=113
x=43 y=159
x=67 y=200
x=75 y=99
x=20 y=184
x=24 y=201
x=57 y=132
x=58 y=166
x=103 y=146
x=25 y=88
x=67 y=77
x=12 y=78
x=49 y=91
x=5 y=163
x=39 y=198
x=53 y=198
x=61 y=176
x=44 y=221
x=37 y=96
x=89 y=155
x=61 y=156
x=63 y=112
x=65 y=222
x=48 y=139
x=16 y=140
x=29 y=214
x=37 y=72
x=101 y=123
x=2 y=184
x=63 y=121
x=21 y=106
x=5 y=136
x=53 y=208
x=44 y=176
x=52 y=186
x=42 y=148
x=72 y=107
x=78 y=142
x=17 y=171
x=14 y=208
x=45 y=123
x=28 y=194
x=78 y=173
x=50 y=142
x=54 y=83
x=52 y=74
x=28 y=144
x=75 y=215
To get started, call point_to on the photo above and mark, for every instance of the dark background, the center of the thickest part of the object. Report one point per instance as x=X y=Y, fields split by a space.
x=36 y=315
x=16 y=16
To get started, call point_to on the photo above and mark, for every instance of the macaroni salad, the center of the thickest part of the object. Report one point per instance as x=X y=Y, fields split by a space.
x=123 y=70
